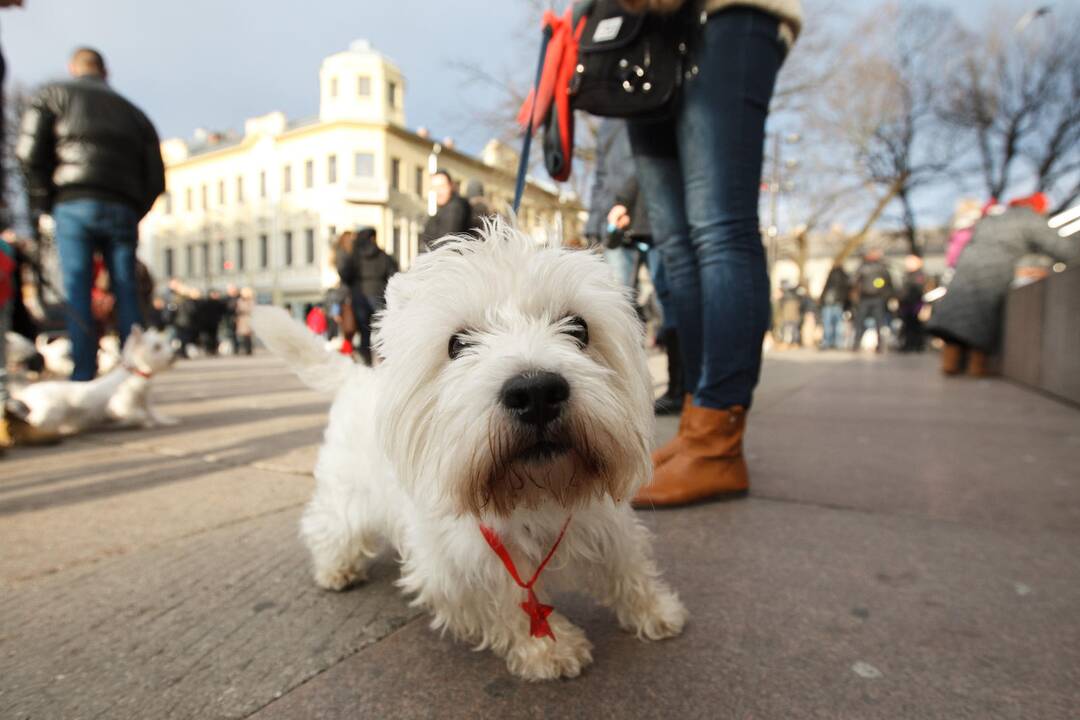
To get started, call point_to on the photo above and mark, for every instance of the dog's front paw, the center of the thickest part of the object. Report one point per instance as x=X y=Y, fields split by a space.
x=658 y=615
x=339 y=578
x=536 y=659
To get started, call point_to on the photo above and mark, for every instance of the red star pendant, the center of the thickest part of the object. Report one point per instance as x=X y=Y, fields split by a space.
x=538 y=614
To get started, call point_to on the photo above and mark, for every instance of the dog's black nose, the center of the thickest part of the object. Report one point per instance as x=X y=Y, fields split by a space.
x=535 y=398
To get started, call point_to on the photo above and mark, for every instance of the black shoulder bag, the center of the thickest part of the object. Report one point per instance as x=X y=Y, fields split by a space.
x=633 y=65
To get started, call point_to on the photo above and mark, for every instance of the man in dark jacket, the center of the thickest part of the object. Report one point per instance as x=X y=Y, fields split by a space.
x=365 y=269
x=874 y=286
x=92 y=159
x=453 y=214
x=834 y=300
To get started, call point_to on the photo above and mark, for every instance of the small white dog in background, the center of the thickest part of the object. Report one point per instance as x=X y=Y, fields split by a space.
x=120 y=398
x=510 y=421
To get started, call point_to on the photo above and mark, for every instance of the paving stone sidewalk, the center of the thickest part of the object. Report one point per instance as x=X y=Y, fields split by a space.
x=910 y=549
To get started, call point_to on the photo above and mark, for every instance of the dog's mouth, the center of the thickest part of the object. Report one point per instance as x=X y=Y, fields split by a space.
x=542 y=450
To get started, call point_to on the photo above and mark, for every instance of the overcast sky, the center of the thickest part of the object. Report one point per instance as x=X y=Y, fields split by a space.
x=212 y=63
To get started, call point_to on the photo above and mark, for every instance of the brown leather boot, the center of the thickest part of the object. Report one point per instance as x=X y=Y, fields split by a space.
x=666 y=451
x=707 y=461
x=978 y=364
x=952 y=359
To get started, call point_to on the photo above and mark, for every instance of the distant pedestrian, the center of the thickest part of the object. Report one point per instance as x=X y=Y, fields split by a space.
x=969 y=317
x=474 y=195
x=835 y=300
x=610 y=220
x=912 y=334
x=453 y=214
x=245 y=303
x=232 y=296
x=365 y=269
x=92 y=159
x=873 y=288
x=7 y=302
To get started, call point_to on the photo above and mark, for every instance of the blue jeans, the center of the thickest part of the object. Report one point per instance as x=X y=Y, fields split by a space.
x=700 y=173
x=663 y=290
x=84 y=227
x=623 y=262
x=832 y=315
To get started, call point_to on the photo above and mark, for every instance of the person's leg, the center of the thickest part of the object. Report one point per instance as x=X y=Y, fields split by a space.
x=830 y=318
x=119 y=231
x=881 y=322
x=720 y=139
x=622 y=265
x=862 y=312
x=660 y=182
x=75 y=244
x=721 y=136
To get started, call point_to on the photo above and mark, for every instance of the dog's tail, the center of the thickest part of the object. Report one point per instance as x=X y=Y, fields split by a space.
x=301 y=350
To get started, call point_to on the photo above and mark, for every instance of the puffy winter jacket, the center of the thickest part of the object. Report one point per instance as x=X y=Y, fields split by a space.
x=81 y=139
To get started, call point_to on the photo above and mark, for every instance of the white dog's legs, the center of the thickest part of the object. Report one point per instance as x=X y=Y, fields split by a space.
x=630 y=583
x=339 y=533
x=486 y=610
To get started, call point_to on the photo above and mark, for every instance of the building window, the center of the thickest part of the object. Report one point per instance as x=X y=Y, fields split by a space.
x=239 y=254
x=363 y=86
x=309 y=173
x=419 y=180
x=189 y=205
x=331 y=231
x=333 y=87
x=286 y=179
x=166 y=203
x=262 y=184
x=203 y=193
x=392 y=94
x=395 y=240
x=309 y=246
x=239 y=189
x=222 y=265
x=221 y=192
x=331 y=169
x=189 y=261
x=204 y=256
x=170 y=270
x=287 y=242
x=264 y=251
x=364 y=165
x=395 y=173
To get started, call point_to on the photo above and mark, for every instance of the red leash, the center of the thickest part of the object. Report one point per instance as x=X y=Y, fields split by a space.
x=537 y=611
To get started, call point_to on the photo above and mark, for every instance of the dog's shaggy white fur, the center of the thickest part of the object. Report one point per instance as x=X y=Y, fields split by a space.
x=119 y=398
x=422 y=449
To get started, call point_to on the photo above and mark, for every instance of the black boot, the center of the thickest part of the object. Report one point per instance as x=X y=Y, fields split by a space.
x=671 y=402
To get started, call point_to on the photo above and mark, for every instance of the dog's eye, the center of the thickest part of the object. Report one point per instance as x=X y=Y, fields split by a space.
x=458 y=344
x=577 y=328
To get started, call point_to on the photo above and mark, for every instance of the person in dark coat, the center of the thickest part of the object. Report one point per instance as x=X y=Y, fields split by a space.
x=969 y=317
x=835 y=299
x=912 y=333
x=453 y=214
x=365 y=269
x=606 y=224
x=874 y=286
x=91 y=159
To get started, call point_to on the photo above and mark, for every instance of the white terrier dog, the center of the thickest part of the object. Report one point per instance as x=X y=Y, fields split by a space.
x=508 y=425
x=120 y=398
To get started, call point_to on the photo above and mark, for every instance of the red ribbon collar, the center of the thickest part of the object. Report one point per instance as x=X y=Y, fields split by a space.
x=537 y=611
x=137 y=371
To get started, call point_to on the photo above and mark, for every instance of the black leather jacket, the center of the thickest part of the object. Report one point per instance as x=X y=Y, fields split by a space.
x=81 y=139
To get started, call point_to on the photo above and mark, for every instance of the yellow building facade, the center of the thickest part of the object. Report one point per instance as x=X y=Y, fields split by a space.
x=262 y=209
